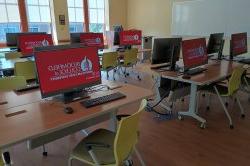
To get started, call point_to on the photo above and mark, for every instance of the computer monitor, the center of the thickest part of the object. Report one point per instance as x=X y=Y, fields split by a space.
x=27 y=42
x=117 y=30
x=194 y=53
x=238 y=44
x=67 y=70
x=214 y=43
x=130 y=37
x=75 y=38
x=166 y=50
x=92 y=40
x=12 y=38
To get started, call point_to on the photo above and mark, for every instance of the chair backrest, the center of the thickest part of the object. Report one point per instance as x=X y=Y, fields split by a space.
x=26 y=69
x=235 y=80
x=109 y=60
x=11 y=83
x=130 y=56
x=127 y=135
x=12 y=55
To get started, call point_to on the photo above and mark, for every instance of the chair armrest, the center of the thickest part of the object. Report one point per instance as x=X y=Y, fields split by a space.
x=119 y=117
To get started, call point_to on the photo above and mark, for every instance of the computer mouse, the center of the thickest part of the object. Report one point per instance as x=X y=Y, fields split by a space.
x=186 y=77
x=68 y=110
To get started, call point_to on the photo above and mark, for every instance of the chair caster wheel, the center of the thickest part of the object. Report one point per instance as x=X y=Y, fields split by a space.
x=226 y=104
x=45 y=153
x=180 y=117
x=203 y=125
x=203 y=95
x=182 y=99
x=208 y=108
x=231 y=127
x=243 y=116
x=127 y=74
x=129 y=163
x=139 y=78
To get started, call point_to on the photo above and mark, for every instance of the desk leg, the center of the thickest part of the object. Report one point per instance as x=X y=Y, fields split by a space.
x=192 y=107
x=113 y=121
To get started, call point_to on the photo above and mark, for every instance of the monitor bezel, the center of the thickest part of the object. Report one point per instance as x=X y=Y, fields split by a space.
x=69 y=89
x=214 y=36
x=231 y=45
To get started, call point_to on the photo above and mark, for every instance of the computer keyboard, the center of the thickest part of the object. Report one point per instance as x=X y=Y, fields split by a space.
x=160 y=66
x=103 y=99
x=195 y=71
x=28 y=87
x=246 y=61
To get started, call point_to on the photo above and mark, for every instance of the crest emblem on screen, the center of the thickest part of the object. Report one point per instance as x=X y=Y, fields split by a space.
x=136 y=37
x=86 y=65
x=45 y=42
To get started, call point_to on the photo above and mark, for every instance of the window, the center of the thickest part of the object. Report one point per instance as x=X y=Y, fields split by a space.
x=39 y=18
x=9 y=18
x=96 y=15
x=76 y=15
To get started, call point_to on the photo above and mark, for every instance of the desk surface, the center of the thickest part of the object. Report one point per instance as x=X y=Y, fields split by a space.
x=45 y=116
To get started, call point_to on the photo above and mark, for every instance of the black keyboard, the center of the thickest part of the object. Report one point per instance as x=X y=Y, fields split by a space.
x=28 y=87
x=103 y=99
x=246 y=61
x=160 y=66
x=195 y=71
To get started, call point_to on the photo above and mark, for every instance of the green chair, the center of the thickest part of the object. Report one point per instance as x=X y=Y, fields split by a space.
x=26 y=69
x=129 y=61
x=1 y=162
x=103 y=147
x=13 y=82
x=12 y=55
x=110 y=62
x=228 y=92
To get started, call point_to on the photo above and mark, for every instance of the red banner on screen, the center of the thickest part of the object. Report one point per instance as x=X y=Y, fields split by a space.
x=92 y=39
x=239 y=43
x=61 y=70
x=130 y=37
x=26 y=43
x=194 y=52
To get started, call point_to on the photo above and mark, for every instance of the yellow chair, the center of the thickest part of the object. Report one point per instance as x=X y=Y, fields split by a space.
x=229 y=92
x=26 y=69
x=1 y=162
x=129 y=60
x=12 y=55
x=103 y=147
x=13 y=82
x=110 y=62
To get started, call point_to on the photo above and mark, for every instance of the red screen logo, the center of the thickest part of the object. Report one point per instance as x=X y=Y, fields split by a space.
x=92 y=39
x=61 y=70
x=28 y=42
x=194 y=52
x=239 y=43
x=130 y=37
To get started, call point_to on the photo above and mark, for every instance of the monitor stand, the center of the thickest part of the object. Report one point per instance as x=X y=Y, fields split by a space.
x=73 y=96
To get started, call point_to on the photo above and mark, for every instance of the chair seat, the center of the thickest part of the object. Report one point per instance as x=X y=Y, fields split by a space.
x=104 y=155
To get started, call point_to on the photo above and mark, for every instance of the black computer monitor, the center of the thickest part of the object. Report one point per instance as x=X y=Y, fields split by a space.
x=166 y=50
x=214 y=43
x=238 y=44
x=67 y=70
x=117 y=30
x=75 y=38
x=12 y=38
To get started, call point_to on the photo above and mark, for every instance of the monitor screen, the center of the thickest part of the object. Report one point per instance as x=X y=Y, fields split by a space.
x=163 y=50
x=12 y=38
x=67 y=69
x=26 y=43
x=238 y=44
x=92 y=40
x=117 y=30
x=215 y=43
x=75 y=38
x=130 y=37
x=194 y=53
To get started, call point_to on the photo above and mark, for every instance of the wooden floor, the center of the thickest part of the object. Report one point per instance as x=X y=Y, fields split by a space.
x=167 y=142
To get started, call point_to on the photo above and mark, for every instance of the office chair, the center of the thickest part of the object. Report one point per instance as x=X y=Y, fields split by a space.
x=109 y=62
x=104 y=147
x=26 y=69
x=12 y=55
x=11 y=83
x=129 y=61
x=228 y=92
